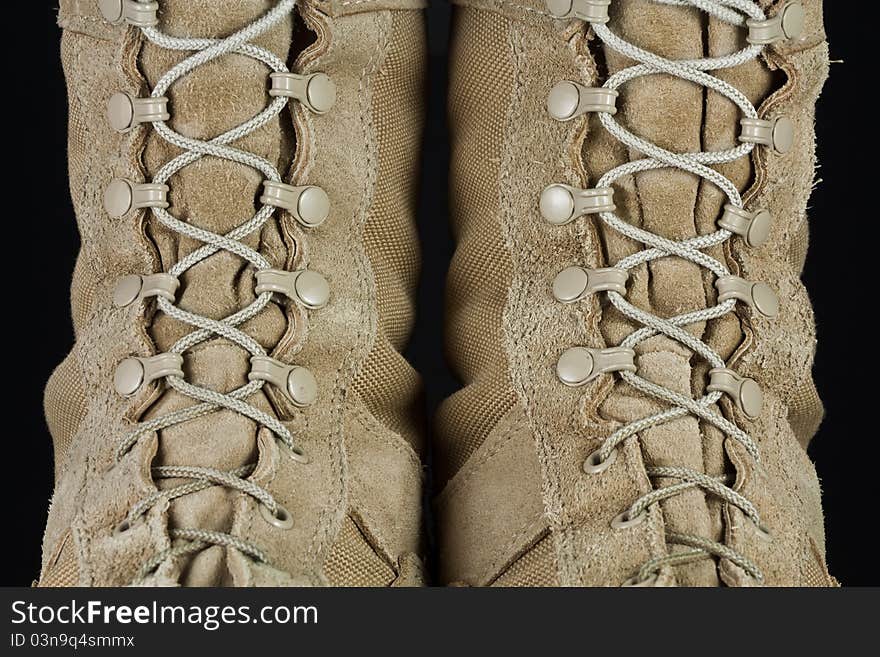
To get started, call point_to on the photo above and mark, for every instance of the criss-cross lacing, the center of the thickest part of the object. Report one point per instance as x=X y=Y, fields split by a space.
x=192 y=540
x=735 y=12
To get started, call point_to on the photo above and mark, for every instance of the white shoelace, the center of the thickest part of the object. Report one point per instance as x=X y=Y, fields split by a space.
x=206 y=50
x=734 y=12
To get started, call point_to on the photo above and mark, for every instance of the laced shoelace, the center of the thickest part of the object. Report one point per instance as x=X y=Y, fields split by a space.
x=193 y=540
x=734 y=12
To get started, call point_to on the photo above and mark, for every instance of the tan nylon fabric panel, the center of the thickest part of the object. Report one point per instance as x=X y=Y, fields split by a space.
x=480 y=83
x=535 y=568
x=65 y=407
x=799 y=246
x=82 y=293
x=813 y=575
x=64 y=402
x=814 y=572
x=805 y=412
x=352 y=562
x=389 y=387
x=80 y=143
x=64 y=572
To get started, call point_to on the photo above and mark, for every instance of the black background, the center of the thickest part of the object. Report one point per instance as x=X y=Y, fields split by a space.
x=40 y=237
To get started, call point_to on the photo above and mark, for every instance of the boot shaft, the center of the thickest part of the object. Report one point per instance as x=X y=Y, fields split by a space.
x=551 y=287
x=316 y=117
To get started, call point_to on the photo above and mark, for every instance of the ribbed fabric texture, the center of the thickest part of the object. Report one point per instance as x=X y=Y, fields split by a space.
x=64 y=572
x=387 y=384
x=64 y=404
x=480 y=274
x=535 y=568
x=353 y=562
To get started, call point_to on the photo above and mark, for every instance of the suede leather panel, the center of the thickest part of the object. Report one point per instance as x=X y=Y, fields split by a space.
x=335 y=341
x=108 y=334
x=785 y=366
x=674 y=286
x=540 y=151
x=536 y=10
x=534 y=152
x=412 y=572
x=529 y=10
x=491 y=509
x=781 y=352
x=386 y=479
x=662 y=201
x=783 y=486
x=84 y=17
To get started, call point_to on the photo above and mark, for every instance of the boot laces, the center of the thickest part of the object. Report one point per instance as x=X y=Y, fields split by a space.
x=734 y=12
x=189 y=541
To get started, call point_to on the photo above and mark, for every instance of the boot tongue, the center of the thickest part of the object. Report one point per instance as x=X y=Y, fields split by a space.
x=216 y=195
x=678 y=116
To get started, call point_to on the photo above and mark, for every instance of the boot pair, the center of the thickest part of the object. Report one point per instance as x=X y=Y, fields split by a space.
x=629 y=183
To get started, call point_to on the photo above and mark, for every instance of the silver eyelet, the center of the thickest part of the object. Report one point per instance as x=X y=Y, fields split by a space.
x=635 y=582
x=281 y=518
x=623 y=521
x=594 y=464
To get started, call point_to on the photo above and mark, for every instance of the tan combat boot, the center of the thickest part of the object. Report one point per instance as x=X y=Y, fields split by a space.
x=630 y=180
x=236 y=410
